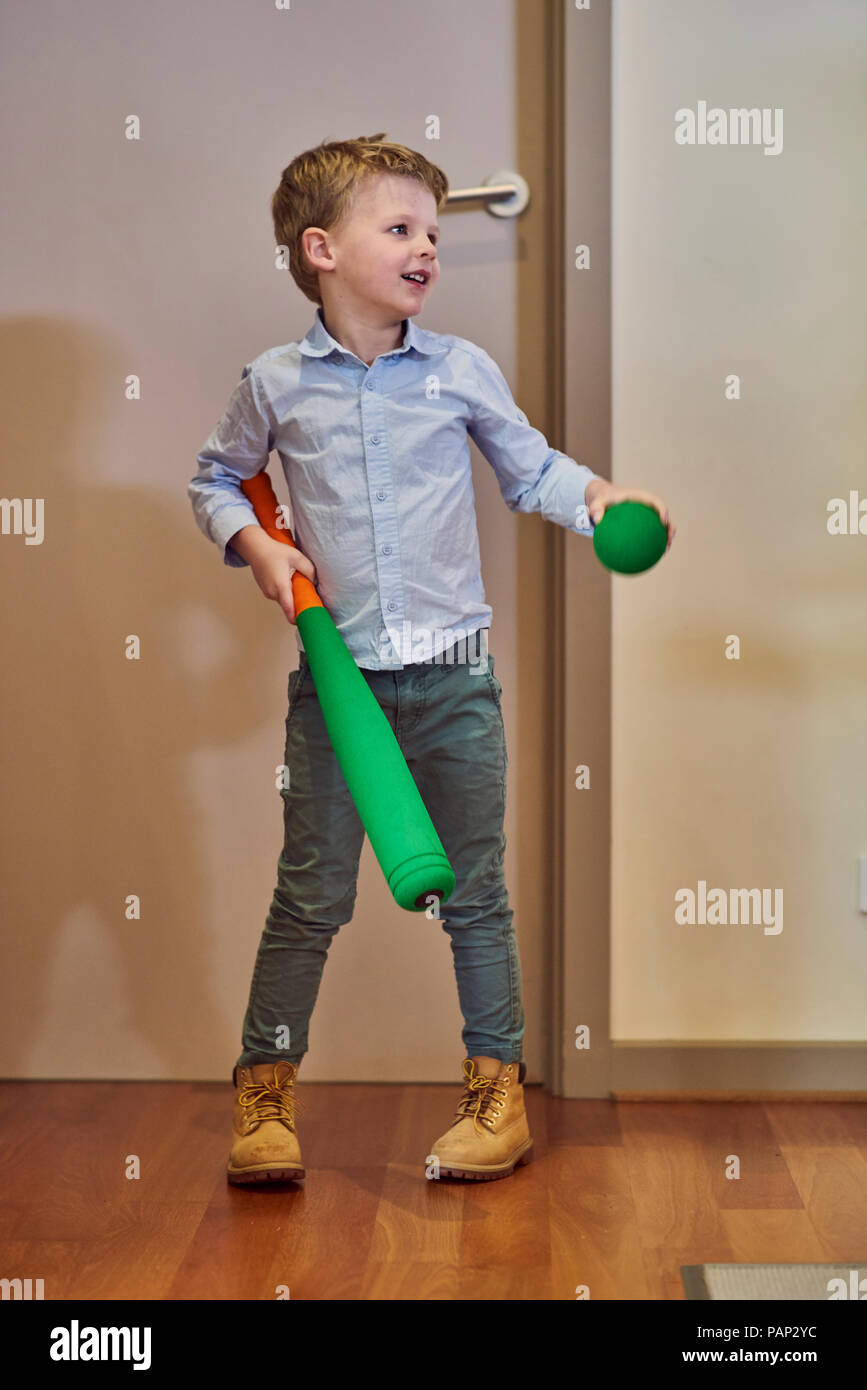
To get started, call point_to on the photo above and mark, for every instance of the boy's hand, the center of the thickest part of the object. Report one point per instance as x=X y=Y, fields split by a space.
x=273 y=563
x=273 y=569
x=600 y=495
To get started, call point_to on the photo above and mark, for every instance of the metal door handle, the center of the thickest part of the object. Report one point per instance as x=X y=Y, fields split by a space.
x=505 y=193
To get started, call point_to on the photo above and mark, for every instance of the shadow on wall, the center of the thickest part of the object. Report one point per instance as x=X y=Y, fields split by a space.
x=97 y=803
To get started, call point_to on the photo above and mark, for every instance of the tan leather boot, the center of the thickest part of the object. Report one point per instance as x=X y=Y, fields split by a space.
x=265 y=1146
x=489 y=1136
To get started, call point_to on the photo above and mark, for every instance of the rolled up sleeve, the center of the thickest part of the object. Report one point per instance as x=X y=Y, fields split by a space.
x=532 y=476
x=236 y=449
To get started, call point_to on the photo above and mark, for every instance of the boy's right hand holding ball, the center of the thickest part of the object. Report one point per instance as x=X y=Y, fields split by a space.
x=273 y=565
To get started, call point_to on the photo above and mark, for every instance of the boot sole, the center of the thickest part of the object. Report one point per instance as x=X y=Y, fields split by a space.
x=271 y=1172
x=487 y=1174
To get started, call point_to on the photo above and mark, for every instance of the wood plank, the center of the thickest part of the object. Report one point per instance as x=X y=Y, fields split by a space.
x=617 y=1197
x=773 y=1237
x=674 y=1191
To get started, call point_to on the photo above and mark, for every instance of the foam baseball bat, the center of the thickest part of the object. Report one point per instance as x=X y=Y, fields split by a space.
x=387 y=799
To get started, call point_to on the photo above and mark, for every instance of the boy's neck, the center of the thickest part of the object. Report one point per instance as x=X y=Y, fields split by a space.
x=365 y=339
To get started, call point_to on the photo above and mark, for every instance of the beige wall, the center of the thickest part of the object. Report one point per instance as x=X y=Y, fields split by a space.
x=746 y=773
x=156 y=777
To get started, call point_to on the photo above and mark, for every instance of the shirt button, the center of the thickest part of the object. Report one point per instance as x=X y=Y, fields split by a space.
x=370 y=385
x=380 y=495
x=374 y=439
x=386 y=550
x=392 y=605
x=338 y=356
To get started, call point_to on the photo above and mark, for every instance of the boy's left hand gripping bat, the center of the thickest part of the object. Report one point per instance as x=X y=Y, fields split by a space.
x=387 y=799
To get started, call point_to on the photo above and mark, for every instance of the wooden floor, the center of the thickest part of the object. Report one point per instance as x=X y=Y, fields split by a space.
x=617 y=1197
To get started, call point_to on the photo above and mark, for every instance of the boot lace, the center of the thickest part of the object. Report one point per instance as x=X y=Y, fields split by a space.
x=480 y=1098
x=269 y=1100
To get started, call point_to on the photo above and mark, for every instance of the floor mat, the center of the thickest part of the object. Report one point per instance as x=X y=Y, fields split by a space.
x=776 y=1282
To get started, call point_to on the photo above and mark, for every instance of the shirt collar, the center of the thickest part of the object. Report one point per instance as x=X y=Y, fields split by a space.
x=319 y=342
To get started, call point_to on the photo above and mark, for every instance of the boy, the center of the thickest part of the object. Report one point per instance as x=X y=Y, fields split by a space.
x=370 y=416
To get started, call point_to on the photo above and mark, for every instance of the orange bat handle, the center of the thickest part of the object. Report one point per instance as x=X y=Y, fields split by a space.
x=259 y=491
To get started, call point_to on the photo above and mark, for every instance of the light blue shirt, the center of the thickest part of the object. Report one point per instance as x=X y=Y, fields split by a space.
x=377 y=465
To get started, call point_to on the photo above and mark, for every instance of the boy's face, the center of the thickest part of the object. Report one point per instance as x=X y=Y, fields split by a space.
x=390 y=231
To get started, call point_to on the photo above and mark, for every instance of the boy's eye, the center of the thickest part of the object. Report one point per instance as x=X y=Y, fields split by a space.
x=403 y=226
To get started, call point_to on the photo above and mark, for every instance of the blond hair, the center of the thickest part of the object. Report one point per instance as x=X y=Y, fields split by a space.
x=319 y=187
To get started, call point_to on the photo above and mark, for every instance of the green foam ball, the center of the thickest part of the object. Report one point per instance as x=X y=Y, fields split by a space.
x=630 y=538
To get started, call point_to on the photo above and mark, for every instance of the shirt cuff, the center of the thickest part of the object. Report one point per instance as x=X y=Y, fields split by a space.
x=223 y=526
x=583 y=525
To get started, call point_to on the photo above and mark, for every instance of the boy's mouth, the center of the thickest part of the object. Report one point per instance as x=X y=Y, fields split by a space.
x=421 y=281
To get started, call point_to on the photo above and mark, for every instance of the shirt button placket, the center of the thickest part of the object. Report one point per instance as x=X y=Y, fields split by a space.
x=384 y=515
